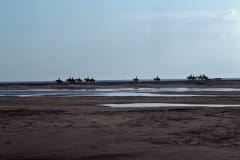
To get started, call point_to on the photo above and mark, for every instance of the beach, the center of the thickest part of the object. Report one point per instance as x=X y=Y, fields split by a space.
x=119 y=80
x=78 y=127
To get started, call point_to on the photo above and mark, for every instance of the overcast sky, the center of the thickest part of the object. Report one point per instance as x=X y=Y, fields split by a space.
x=118 y=39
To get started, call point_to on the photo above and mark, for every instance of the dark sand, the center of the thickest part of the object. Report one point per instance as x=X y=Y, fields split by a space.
x=51 y=128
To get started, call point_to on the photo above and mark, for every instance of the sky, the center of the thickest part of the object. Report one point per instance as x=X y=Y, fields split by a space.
x=118 y=39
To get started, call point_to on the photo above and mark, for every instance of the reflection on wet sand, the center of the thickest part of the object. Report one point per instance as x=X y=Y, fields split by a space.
x=147 y=92
x=141 y=105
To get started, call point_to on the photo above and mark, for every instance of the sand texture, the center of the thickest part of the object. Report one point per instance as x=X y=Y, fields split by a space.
x=52 y=128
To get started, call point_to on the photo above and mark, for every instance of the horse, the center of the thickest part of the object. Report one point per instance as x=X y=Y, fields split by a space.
x=157 y=79
x=136 y=80
x=59 y=81
x=79 y=80
x=71 y=80
x=90 y=80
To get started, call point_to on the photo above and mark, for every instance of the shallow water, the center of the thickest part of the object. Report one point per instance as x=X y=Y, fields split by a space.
x=148 y=92
x=144 y=105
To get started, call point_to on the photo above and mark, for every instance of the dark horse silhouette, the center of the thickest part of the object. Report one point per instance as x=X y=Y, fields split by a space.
x=192 y=77
x=157 y=79
x=202 y=77
x=90 y=80
x=136 y=79
x=79 y=80
x=59 y=81
x=71 y=80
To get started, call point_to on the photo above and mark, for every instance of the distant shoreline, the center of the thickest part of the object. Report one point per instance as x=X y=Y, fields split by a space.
x=114 y=81
x=223 y=83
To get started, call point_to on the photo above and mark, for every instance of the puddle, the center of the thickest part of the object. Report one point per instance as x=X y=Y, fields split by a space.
x=144 y=105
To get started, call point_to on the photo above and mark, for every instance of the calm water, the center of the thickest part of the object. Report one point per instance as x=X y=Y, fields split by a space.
x=149 y=92
x=141 y=105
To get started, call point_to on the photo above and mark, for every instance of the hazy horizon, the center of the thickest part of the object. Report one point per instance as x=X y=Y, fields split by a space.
x=111 y=40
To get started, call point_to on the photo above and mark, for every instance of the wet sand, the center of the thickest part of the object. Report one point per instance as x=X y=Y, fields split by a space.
x=51 y=128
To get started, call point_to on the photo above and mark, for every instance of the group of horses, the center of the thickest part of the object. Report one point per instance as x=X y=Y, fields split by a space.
x=136 y=79
x=72 y=80
x=88 y=80
x=200 y=77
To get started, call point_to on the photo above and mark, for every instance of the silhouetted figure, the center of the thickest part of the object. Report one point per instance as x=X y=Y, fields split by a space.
x=79 y=80
x=90 y=80
x=157 y=79
x=136 y=79
x=191 y=77
x=59 y=81
x=204 y=77
x=200 y=77
x=71 y=80
x=86 y=79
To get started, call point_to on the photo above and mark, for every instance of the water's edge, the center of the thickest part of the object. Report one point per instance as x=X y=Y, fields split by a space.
x=153 y=105
x=147 y=92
